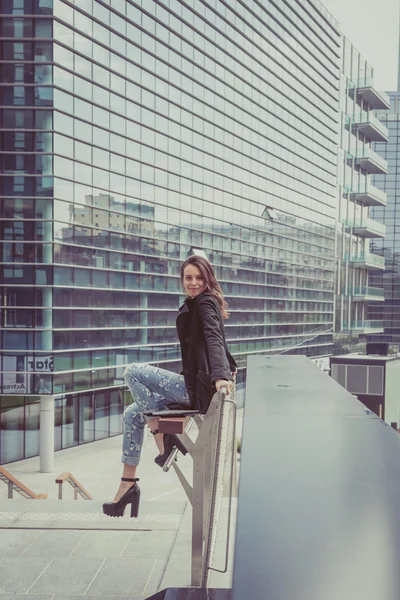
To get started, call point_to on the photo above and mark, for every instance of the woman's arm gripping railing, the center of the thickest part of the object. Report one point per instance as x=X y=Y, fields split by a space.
x=78 y=488
x=13 y=484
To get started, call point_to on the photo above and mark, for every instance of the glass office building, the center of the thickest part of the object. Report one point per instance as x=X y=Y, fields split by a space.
x=389 y=248
x=133 y=135
x=359 y=223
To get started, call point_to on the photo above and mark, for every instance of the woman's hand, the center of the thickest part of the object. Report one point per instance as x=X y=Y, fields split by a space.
x=220 y=383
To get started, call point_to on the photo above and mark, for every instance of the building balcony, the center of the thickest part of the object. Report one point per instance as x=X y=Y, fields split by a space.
x=367 y=228
x=367 y=261
x=363 y=326
x=372 y=128
x=368 y=160
x=371 y=196
x=376 y=100
x=368 y=294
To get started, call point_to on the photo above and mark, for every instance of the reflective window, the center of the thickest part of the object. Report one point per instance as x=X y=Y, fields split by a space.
x=158 y=124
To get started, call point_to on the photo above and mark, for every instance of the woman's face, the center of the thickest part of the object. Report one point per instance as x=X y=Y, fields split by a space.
x=193 y=281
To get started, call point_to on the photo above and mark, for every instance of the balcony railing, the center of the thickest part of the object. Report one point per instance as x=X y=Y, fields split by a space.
x=372 y=128
x=363 y=326
x=366 y=227
x=369 y=196
x=376 y=99
x=370 y=292
x=368 y=259
x=369 y=160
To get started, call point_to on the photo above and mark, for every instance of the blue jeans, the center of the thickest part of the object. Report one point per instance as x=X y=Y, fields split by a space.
x=152 y=389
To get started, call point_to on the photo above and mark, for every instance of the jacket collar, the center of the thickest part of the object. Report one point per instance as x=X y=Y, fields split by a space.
x=185 y=308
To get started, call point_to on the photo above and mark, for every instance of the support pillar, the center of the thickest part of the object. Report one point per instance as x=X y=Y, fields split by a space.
x=144 y=305
x=46 y=434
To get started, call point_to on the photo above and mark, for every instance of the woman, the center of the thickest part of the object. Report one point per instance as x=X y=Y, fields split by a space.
x=207 y=367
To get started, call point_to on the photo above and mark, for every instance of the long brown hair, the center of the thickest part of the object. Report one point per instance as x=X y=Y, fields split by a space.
x=212 y=285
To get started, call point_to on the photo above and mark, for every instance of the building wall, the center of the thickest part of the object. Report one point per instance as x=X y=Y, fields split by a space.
x=390 y=246
x=354 y=283
x=392 y=399
x=163 y=129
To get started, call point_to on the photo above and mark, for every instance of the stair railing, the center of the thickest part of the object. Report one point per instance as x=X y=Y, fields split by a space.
x=14 y=484
x=74 y=483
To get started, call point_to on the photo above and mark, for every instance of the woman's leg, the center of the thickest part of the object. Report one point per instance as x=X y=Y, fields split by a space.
x=134 y=424
x=152 y=389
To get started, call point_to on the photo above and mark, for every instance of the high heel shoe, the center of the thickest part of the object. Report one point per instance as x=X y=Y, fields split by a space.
x=171 y=441
x=131 y=496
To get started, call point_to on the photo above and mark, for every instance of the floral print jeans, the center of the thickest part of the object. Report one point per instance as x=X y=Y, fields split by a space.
x=152 y=389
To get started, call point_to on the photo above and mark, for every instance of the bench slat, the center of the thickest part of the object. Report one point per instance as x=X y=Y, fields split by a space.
x=171 y=425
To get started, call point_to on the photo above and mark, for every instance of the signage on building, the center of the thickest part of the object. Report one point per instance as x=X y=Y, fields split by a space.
x=27 y=374
x=322 y=363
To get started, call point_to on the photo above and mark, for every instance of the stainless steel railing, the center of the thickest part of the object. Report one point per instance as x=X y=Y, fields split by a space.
x=213 y=450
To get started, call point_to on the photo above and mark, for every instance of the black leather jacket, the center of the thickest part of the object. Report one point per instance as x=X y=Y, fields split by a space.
x=205 y=356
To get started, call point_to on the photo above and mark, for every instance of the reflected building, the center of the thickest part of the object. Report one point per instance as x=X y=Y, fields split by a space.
x=134 y=134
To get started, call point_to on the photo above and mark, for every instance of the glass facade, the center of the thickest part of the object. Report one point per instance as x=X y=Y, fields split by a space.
x=358 y=196
x=389 y=312
x=134 y=134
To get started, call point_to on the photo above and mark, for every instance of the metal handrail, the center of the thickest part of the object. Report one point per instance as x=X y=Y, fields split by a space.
x=78 y=488
x=211 y=532
x=202 y=491
x=14 y=484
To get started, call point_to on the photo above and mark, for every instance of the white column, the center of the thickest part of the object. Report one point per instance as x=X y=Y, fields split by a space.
x=46 y=434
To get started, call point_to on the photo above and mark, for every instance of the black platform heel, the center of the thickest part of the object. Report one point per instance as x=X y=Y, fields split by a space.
x=171 y=441
x=131 y=496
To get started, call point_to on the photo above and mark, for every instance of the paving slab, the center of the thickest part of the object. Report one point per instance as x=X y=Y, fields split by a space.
x=65 y=575
x=17 y=575
x=54 y=544
x=103 y=544
x=150 y=544
x=25 y=597
x=14 y=543
x=127 y=576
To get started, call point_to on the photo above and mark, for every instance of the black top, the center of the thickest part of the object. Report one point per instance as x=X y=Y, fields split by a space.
x=205 y=356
